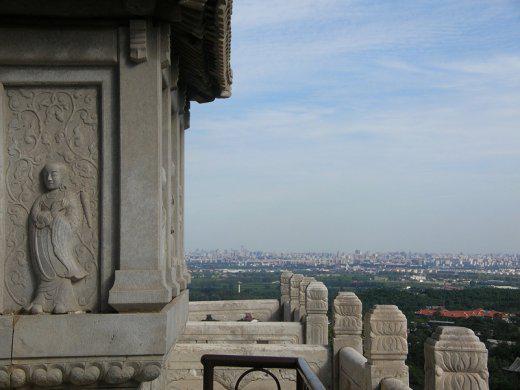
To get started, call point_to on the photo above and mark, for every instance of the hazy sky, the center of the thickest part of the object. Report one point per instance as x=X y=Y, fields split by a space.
x=377 y=125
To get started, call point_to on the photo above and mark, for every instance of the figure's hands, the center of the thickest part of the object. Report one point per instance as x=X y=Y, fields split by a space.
x=43 y=219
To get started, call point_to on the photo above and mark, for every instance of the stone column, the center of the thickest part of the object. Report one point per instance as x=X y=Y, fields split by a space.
x=140 y=282
x=301 y=312
x=294 y=301
x=348 y=326
x=285 y=294
x=170 y=78
x=178 y=124
x=317 y=323
x=385 y=345
x=454 y=358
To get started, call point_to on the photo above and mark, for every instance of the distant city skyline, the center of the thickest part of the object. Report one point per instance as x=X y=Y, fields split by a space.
x=354 y=124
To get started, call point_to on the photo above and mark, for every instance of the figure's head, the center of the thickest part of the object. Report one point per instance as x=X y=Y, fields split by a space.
x=53 y=175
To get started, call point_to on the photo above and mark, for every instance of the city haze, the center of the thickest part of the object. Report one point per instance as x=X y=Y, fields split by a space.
x=378 y=125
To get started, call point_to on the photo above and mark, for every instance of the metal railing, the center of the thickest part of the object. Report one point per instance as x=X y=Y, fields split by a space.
x=306 y=379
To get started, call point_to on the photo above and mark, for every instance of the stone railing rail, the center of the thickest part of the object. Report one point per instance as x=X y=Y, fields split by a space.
x=235 y=310
x=305 y=300
x=233 y=332
x=454 y=357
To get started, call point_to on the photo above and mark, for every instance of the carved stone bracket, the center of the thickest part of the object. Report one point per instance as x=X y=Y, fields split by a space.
x=78 y=373
x=138 y=41
x=455 y=359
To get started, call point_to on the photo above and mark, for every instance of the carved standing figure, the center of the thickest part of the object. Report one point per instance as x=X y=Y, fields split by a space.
x=54 y=219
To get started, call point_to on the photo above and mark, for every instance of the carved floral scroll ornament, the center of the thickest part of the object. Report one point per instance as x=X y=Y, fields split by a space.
x=58 y=124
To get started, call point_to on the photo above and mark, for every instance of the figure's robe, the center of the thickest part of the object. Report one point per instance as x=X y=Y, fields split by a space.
x=52 y=252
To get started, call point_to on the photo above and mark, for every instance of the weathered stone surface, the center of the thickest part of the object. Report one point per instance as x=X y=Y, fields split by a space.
x=351 y=369
x=294 y=297
x=68 y=138
x=393 y=384
x=301 y=312
x=103 y=348
x=348 y=326
x=455 y=359
x=6 y=337
x=88 y=93
x=385 y=345
x=99 y=334
x=317 y=323
x=285 y=286
x=70 y=46
x=243 y=332
x=184 y=370
x=202 y=34
x=235 y=310
x=140 y=282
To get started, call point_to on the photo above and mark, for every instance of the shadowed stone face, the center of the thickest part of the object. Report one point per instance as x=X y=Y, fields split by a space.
x=53 y=175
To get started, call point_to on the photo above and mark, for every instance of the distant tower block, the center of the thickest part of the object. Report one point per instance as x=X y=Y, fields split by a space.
x=239 y=286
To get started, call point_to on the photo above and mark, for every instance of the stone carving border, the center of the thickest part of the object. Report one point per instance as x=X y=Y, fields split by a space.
x=79 y=373
x=103 y=79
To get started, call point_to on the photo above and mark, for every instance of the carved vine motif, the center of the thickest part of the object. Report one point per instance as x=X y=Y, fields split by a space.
x=78 y=373
x=58 y=124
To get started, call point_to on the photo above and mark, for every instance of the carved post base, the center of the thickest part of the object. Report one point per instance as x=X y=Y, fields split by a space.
x=139 y=290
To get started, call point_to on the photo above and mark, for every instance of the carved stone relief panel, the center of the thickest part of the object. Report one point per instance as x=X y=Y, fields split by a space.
x=56 y=125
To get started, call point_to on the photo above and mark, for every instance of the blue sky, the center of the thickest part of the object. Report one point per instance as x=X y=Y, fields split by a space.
x=377 y=125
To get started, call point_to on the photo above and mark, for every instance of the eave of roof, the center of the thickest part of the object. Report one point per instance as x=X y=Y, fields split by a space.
x=201 y=36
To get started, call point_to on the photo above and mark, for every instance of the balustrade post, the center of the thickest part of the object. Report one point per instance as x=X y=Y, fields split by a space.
x=301 y=312
x=285 y=295
x=348 y=326
x=294 y=301
x=385 y=345
x=317 y=323
x=454 y=358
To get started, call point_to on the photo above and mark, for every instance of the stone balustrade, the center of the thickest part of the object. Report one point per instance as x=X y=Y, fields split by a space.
x=351 y=369
x=301 y=312
x=294 y=302
x=285 y=294
x=385 y=344
x=317 y=322
x=348 y=326
x=455 y=359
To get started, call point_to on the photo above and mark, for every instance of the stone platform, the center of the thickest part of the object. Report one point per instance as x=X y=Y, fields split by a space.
x=52 y=350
